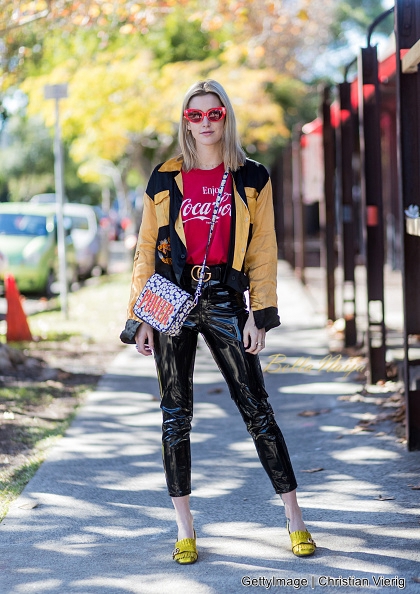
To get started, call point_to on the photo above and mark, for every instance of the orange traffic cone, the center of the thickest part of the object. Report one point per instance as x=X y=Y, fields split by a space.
x=17 y=324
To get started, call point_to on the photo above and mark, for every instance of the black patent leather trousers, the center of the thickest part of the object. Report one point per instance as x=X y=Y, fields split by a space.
x=219 y=317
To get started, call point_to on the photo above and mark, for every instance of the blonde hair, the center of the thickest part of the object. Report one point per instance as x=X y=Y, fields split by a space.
x=232 y=151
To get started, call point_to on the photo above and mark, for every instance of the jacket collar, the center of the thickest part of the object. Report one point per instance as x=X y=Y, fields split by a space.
x=173 y=165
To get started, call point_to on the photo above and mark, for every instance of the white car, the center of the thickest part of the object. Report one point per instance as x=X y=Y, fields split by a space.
x=89 y=238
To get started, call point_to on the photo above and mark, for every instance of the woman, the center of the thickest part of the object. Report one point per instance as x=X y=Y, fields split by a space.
x=178 y=206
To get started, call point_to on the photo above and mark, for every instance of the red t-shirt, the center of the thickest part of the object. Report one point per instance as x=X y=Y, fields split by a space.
x=200 y=193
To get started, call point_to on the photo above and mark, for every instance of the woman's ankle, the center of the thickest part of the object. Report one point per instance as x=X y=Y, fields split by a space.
x=293 y=513
x=184 y=518
x=185 y=526
x=295 y=522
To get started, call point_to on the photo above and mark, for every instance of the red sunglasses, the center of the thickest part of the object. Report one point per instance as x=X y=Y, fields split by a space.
x=213 y=115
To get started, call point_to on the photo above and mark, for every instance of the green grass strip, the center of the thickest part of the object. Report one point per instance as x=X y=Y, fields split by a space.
x=12 y=482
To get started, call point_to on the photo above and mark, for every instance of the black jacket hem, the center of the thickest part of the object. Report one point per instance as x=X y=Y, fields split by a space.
x=129 y=332
x=266 y=318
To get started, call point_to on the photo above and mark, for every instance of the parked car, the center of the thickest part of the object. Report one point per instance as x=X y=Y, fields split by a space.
x=44 y=198
x=28 y=247
x=90 y=231
x=90 y=239
x=106 y=222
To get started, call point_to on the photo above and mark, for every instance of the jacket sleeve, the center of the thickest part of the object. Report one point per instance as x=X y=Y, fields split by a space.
x=261 y=262
x=143 y=267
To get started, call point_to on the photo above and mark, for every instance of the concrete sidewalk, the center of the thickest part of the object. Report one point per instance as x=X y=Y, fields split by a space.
x=96 y=517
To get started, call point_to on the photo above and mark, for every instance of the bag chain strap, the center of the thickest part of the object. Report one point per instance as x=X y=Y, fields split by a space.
x=212 y=224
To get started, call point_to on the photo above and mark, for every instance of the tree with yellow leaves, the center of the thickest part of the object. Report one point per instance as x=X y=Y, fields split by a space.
x=121 y=108
x=128 y=64
x=274 y=33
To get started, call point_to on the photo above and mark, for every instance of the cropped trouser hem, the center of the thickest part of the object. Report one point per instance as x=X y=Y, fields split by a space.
x=220 y=318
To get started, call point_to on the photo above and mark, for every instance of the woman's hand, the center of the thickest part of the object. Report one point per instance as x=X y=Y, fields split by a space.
x=144 y=339
x=254 y=338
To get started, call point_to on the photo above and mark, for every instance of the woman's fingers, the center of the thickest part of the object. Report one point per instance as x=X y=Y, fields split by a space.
x=254 y=339
x=144 y=349
x=255 y=348
x=144 y=339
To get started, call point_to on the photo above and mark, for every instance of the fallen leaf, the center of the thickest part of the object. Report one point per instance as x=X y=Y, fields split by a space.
x=360 y=428
x=313 y=470
x=313 y=413
x=416 y=579
x=380 y=498
x=399 y=416
x=366 y=422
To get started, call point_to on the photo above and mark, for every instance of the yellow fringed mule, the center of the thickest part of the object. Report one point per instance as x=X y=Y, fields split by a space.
x=303 y=544
x=185 y=551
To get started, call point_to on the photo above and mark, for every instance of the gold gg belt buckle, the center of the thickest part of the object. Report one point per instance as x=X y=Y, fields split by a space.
x=196 y=271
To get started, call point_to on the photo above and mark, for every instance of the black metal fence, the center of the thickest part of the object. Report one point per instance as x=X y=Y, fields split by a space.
x=368 y=135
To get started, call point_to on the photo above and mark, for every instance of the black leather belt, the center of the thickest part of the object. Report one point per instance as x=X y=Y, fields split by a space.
x=210 y=272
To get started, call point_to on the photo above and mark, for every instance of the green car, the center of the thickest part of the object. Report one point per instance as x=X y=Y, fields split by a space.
x=28 y=247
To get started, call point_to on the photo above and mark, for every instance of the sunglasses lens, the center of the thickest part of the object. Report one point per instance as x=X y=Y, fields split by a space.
x=214 y=115
x=195 y=116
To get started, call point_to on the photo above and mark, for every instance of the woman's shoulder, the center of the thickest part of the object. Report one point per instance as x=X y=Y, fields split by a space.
x=162 y=174
x=254 y=165
x=254 y=174
x=172 y=165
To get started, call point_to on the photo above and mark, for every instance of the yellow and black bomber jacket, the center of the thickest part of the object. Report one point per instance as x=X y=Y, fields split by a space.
x=252 y=257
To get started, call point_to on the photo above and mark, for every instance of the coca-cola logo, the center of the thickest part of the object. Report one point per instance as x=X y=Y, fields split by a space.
x=204 y=210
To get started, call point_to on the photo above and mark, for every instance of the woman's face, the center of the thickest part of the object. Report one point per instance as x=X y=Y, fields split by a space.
x=206 y=133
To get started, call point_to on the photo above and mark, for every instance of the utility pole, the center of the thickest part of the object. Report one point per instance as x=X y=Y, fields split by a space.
x=58 y=92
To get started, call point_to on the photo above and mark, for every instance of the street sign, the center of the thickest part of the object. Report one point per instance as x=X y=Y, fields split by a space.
x=58 y=91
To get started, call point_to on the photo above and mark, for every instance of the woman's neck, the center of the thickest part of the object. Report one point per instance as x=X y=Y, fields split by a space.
x=207 y=166
x=209 y=159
